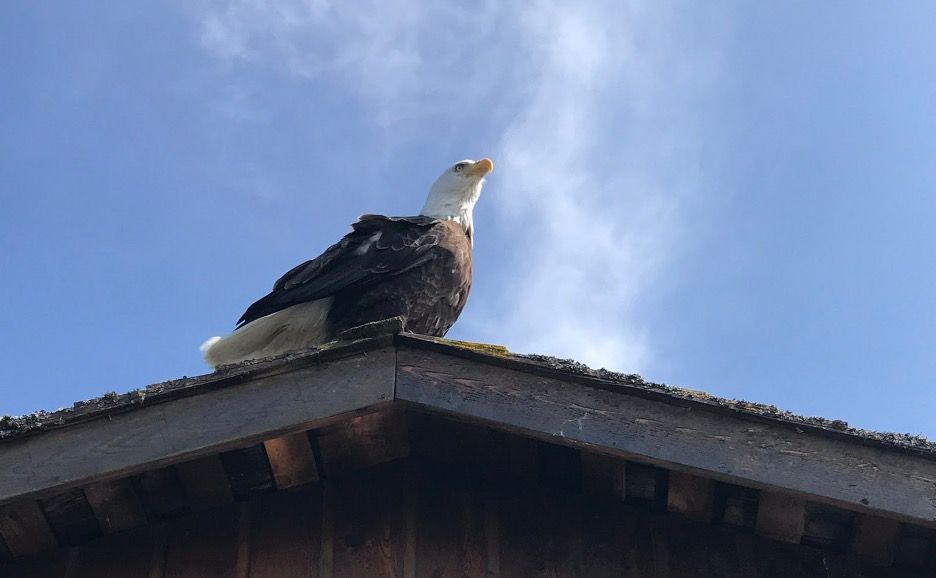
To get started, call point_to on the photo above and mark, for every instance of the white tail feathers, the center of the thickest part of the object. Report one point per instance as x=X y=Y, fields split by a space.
x=206 y=347
x=291 y=329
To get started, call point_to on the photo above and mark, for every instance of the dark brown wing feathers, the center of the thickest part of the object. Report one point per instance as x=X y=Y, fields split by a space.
x=378 y=247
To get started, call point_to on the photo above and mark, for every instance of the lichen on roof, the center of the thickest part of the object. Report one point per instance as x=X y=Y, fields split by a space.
x=110 y=403
x=903 y=440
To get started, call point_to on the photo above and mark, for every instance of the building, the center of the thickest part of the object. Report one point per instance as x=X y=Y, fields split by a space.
x=409 y=456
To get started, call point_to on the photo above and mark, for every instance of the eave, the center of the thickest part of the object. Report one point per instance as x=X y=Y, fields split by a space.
x=681 y=431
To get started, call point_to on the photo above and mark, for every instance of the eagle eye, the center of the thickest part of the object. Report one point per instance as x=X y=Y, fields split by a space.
x=459 y=167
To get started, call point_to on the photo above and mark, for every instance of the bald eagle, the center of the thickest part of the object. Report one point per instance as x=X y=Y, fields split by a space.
x=417 y=268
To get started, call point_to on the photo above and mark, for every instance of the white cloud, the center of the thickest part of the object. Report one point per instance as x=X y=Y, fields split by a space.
x=595 y=157
x=401 y=58
x=590 y=170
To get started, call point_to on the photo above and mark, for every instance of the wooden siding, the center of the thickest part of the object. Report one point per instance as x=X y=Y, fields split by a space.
x=405 y=520
x=458 y=500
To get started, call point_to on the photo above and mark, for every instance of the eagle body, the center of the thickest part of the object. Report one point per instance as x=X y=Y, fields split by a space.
x=429 y=295
x=417 y=268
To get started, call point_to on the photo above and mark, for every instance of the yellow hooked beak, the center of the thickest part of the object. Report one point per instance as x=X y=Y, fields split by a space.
x=482 y=167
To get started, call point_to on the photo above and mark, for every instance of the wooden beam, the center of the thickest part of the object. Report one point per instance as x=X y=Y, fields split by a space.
x=646 y=483
x=292 y=460
x=25 y=529
x=780 y=517
x=70 y=517
x=363 y=441
x=216 y=419
x=205 y=482
x=115 y=505
x=676 y=434
x=248 y=471
x=690 y=496
x=161 y=493
x=735 y=506
x=875 y=539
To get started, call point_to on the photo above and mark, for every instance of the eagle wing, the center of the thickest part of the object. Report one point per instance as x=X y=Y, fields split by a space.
x=377 y=247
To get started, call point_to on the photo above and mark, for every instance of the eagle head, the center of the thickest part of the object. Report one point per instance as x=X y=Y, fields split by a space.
x=453 y=195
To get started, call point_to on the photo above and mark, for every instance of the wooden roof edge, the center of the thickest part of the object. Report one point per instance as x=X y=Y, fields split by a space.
x=840 y=470
x=110 y=404
x=634 y=384
x=246 y=405
x=542 y=397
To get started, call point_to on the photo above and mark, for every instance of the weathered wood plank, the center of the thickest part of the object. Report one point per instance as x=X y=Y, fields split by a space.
x=735 y=506
x=681 y=436
x=245 y=522
x=115 y=505
x=292 y=460
x=204 y=545
x=827 y=527
x=370 y=524
x=329 y=514
x=780 y=517
x=205 y=482
x=460 y=530
x=212 y=421
x=286 y=538
x=875 y=538
x=646 y=484
x=609 y=535
x=248 y=471
x=70 y=517
x=25 y=529
x=450 y=528
x=363 y=441
x=492 y=535
x=541 y=534
x=690 y=496
x=161 y=493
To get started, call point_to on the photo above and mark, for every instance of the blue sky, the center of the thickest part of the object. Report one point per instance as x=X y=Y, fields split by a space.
x=734 y=196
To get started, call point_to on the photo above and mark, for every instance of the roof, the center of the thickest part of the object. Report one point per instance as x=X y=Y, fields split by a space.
x=558 y=400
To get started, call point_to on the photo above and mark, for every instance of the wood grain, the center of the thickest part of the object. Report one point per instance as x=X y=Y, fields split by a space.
x=115 y=505
x=25 y=529
x=286 y=540
x=292 y=460
x=682 y=436
x=410 y=518
x=780 y=517
x=212 y=421
x=363 y=441
x=690 y=496
x=370 y=524
x=71 y=518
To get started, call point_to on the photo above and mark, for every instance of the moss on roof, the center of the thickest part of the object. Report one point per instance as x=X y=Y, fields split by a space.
x=111 y=403
x=570 y=366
